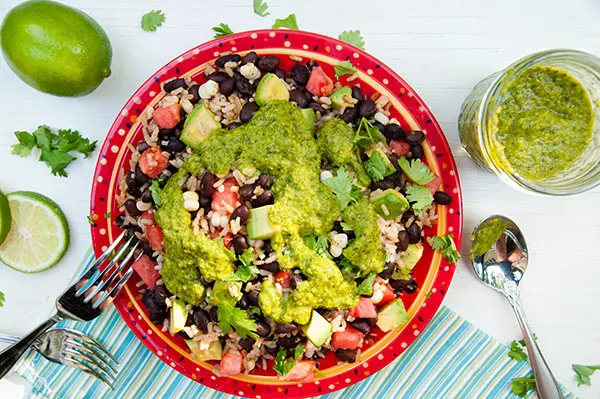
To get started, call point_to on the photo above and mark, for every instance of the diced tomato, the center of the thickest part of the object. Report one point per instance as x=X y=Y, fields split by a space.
x=227 y=238
x=319 y=84
x=400 y=148
x=284 y=278
x=388 y=292
x=146 y=268
x=303 y=370
x=226 y=197
x=347 y=339
x=155 y=236
x=364 y=309
x=231 y=363
x=149 y=216
x=153 y=162
x=434 y=184
x=167 y=117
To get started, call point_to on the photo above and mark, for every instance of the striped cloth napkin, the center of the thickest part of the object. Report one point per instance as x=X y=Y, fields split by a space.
x=450 y=359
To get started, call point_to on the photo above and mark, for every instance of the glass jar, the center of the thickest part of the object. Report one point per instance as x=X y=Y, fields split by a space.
x=477 y=123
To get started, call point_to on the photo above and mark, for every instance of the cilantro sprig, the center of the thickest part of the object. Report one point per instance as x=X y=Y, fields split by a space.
x=282 y=365
x=288 y=22
x=583 y=373
x=354 y=37
x=516 y=351
x=222 y=30
x=152 y=20
x=366 y=287
x=445 y=244
x=319 y=244
x=365 y=135
x=416 y=170
x=260 y=8
x=419 y=196
x=342 y=187
x=155 y=189
x=56 y=149
x=1 y=299
x=247 y=270
x=376 y=166
x=343 y=68
x=232 y=318
x=522 y=386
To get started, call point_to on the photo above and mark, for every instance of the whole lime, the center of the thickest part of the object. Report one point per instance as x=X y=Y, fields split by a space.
x=55 y=48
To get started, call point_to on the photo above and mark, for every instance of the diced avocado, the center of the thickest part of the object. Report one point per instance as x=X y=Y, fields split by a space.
x=198 y=126
x=390 y=204
x=213 y=352
x=318 y=329
x=271 y=88
x=380 y=155
x=179 y=315
x=309 y=119
x=413 y=254
x=392 y=315
x=337 y=97
x=225 y=291
x=259 y=225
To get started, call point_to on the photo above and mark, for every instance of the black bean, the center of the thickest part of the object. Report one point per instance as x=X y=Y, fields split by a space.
x=367 y=109
x=130 y=180
x=388 y=270
x=287 y=342
x=120 y=220
x=218 y=77
x=402 y=285
x=414 y=137
x=267 y=248
x=379 y=126
x=146 y=196
x=285 y=328
x=189 y=321
x=442 y=198
x=271 y=350
x=417 y=151
x=265 y=180
x=317 y=108
x=205 y=202
x=268 y=63
x=393 y=131
x=147 y=249
x=233 y=125
x=243 y=303
x=250 y=57
x=414 y=233
x=263 y=329
x=394 y=160
x=247 y=343
x=142 y=146
x=412 y=287
x=403 y=241
x=350 y=115
x=221 y=61
x=370 y=321
x=161 y=293
x=384 y=184
x=214 y=316
x=175 y=145
x=245 y=87
x=248 y=111
x=140 y=177
x=406 y=216
x=246 y=192
x=357 y=93
x=361 y=326
x=312 y=64
x=174 y=85
x=300 y=74
x=193 y=90
x=346 y=355
x=157 y=311
x=253 y=298
x=227 y=87
x=206 y=186
x=131 y=208
x=299 y=98
x=272 y=267
x=239 y=244
x=166 y=133
x=204 y=281
x=308 y=95
x=265 y=198
x=241 y=212
x=280 y=73
x=295 y=280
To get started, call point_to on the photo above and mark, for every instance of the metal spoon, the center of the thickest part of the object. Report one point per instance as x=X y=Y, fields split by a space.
x=499 y=256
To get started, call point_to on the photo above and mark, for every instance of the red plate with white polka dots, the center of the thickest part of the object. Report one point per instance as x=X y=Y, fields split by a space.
x=433 y=273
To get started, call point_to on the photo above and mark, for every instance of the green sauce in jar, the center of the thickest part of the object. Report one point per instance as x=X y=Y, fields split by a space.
x=543 y=124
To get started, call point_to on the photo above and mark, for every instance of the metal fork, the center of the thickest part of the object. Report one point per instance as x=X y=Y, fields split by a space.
x=85 y=300
x=73 y=348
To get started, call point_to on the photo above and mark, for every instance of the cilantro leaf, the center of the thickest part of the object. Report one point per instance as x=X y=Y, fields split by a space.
x=375 y=166
x=26 y=143
x=344 y=68
x=366 y=134
x=237 y=319
x=44 y=137
x=516 y=351
x=1 y=299
x=57 y=161
x=90 y=220
x=583 y=373
x=288 y=22
x=70 y=140
x=155 y=189
x=342 y=187
x=419 y=196
x=349 y=269
x=366 y=287
x=254 y=310
x=353 y=37
x=260 y=8
x=152 y=20
x=222 y=30
x=346 y=226
x=247 y=270
x=522 y=386
x=445 y=244
x=107 y=215
x=416 y=170
x=282 y=365
x=319 y=244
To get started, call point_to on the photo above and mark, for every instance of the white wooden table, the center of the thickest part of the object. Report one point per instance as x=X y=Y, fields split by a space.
x=442 y=48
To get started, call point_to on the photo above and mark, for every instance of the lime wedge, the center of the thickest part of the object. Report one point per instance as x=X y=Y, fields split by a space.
x=5 y=218
x=38 y=236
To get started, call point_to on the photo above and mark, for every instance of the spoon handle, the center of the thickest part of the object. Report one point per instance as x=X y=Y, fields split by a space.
x=546 y=385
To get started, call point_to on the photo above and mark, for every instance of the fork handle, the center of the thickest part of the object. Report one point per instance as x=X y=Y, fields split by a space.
x=11 y=355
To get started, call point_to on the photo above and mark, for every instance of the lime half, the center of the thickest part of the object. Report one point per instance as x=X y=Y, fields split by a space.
x=5 y=218
x=38 y=236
